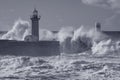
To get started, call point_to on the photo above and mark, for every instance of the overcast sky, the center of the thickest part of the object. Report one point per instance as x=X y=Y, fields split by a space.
x=59 y=13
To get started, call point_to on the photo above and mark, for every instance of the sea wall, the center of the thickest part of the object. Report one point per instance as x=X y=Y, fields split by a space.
x=21 y=48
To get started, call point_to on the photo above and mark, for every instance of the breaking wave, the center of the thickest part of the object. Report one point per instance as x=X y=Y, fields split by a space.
x=87 y=43
x=71 y=40
x=106 y=47
x=55 y=67
x=45 y=34
x=18 y=30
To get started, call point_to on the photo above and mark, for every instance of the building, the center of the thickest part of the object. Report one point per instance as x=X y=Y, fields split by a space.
x=35 y=24
x=35 y=27
x=114 y=35
x=31 y=46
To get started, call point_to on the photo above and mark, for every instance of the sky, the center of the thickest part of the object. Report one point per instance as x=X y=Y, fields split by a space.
x=62 y=13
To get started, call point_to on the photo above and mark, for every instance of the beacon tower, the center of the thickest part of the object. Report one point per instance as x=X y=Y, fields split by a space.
x=97 y=26
x=35 y=24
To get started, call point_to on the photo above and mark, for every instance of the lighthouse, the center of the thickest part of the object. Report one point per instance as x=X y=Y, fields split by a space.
x=35 y=24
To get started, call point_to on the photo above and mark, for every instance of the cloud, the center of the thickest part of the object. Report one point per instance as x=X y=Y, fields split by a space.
x=113 y=22
x=113 y=4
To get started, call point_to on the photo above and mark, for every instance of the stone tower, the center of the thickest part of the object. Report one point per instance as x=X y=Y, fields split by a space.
x=97 y=26
x=35 y=24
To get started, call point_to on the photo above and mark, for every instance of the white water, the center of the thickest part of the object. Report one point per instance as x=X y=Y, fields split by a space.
x=63 y=67
x=101 y=62
x=71 y=40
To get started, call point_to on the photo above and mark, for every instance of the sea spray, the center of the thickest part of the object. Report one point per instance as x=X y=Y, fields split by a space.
x=64 y=33
x=22 y=28
x=18 y=30
x=64 y=36
x=80 y=40
x=71 y=41
x=84 y=38
x=45 y=34
x=106 y=48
